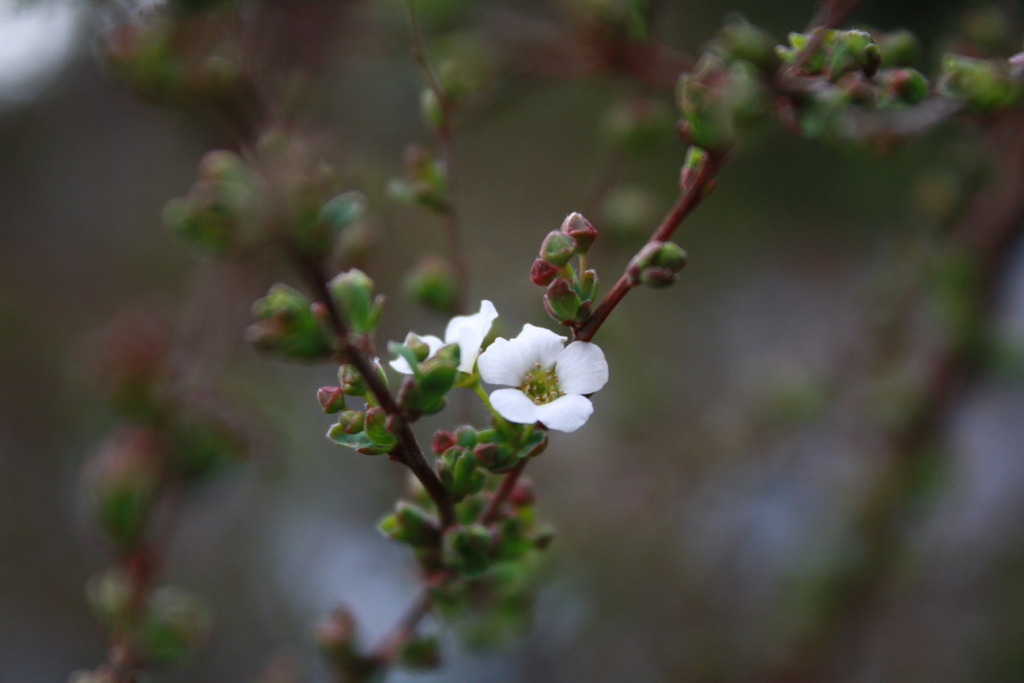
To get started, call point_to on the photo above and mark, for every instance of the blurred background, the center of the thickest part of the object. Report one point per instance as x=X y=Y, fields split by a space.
x=716 y=518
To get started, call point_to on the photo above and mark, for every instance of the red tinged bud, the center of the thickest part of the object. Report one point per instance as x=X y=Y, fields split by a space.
x=542 y=272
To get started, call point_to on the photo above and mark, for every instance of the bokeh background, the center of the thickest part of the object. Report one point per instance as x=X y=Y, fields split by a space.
x=704 y=513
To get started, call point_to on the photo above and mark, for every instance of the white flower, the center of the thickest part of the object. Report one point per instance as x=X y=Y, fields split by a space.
x=549 y=378
x=468 y=331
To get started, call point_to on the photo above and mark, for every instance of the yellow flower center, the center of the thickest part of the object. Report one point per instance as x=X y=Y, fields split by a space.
x=541 y=385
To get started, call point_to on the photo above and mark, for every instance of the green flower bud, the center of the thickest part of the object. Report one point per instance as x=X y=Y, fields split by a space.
x=123 y=481
x=351 y=421
x=580 y=229
x=467 y=549
x=557 y=248
x=432 y=283
x=899 y=48
x=377 y=428
x=466 y=436
x=351 y=383
x=420 y=653
x=657 y=264
x=285 y=325
x=412 y=525
x=431 y=108
x=352 y=291
x=202 y=445
x=719 y=102
x=981 y=84
x=336 y=637
x=902 y=86
x=334 y=216
x=739 y=39
x=852 y=50
x=176 y=622
x=562 y=302
x=110 y=596
x=331 y=399
x=442 y=441
x=638 y=125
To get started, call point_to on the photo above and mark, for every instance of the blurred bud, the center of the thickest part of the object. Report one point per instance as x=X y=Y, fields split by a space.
x=285 y=325
x=638 y=125
x=176 y=622
x=442 y=441
x=487 y=453
x=202 y=444
x=122 y=482
x=657 y=264
x=336 y=637
x=110 y=596
x=557 y=248
x=983 y=85
x=899 y=49
x=332 y=399
x=420 y=653
x=628 y=211
x=902 y=86
x=739 y=39
x=424 y=180
x=561 y=301
x=852 y=50
x=720 y=102
x=580 y=229
x=337 y=214
x=431 y=108
x=542 y=272
x=432 y=283
x=129 y=366
x=467 y=549
x=411 y=524
x=352 y=291
x=522 y=493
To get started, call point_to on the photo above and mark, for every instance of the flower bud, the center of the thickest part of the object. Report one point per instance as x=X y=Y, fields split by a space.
x=739 y=39
x=443 y=440
x=561 y=301
x=557 y=248
x=657 y=264
x=903 y=86
x=542 y=272
x=420 y=653
x=123 y=481
x=336 y=637
x=351 y=382
x=522 y=493
x=433 y=284
x=286 y=325
x=110 y=596
x=175 y=623
x=332 y=399
x=899 y=48
x=981 y=84
x=853 y=50
x=467 y=549
x=580 y=229
x=466 y=436
x=335 y=215
x=353 y=292
x=411 y=524
x=431 y=108
x=376 y=427
x=351 y=421
x=420 y=349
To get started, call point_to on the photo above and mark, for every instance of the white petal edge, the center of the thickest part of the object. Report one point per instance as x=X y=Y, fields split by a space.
x=582 y=368
x=539 y=345
x=469 y=331
x=515 y=406
x=402 y=365
x=503 y=363
x=566 y=413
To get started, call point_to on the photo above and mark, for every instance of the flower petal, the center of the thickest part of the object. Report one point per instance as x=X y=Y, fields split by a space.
x=581 y=369
x=539 y=345
x=468 y=331
x=402 y=365
x=566 y=413
x=502 y=363
x=515 y=406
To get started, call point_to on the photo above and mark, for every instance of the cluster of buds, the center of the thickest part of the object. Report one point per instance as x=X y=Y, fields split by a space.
x=433 y=375
x=288 y=324
x=424 y=180
x=719 y=101
x=836 y=54
x=570 y=292
x=462 y=452
x=221 y=206
x=175 y=56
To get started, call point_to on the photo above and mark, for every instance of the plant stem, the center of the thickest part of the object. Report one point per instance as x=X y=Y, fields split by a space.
x=449 y=157
x=409 y=453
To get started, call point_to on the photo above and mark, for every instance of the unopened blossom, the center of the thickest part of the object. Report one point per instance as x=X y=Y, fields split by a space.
x=468 y=331
x=548 y=379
